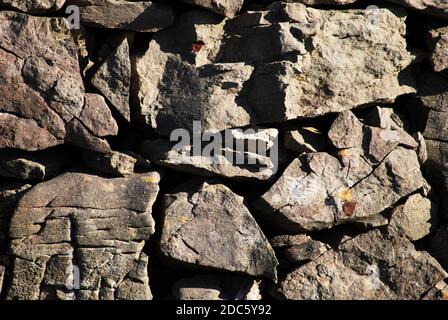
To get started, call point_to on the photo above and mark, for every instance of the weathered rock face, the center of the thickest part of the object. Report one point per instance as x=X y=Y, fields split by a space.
x=439 y=292
x=9 y=195
x=438 y=8
x=115 y=163
x=113 y=78
x=209 y=226
x=439 y=44
x=322 y=118
x=218 y=72
x=372 y=170
x=415 y=218
x=237 y=154
x=215 y=287
x=41 y=69
x=143 y=16
x=369 y=266
x=33 y=6
x=81 y=236
x=225 y=7
x=433 y=95
x=322 y=2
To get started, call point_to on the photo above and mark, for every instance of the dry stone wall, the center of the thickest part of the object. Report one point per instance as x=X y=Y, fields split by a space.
x=223 y=149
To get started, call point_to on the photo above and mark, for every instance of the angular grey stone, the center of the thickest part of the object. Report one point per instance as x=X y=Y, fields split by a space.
x=436 y=127
x=326 y=56
x=83 y=221
x=209 y=94
x=346 y=132
x=371 y=172
x=439 y=48
x=322 y=2
x=370 y=266
x=115 y=163
x=41 y=69
x=142 y=16
x=10 y=193
x=415 y=219
x=134 y=286
x=33 y=6
x=225 y=7
x=216 y=287
x=433 y=95
x=202 y=68
x=437 y=159
x=251 y=155
x=113 y=78
x=209 y=226
x=438 y=292
x=438 y=8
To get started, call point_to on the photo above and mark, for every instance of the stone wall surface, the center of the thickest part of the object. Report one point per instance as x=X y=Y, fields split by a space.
x=223 y=150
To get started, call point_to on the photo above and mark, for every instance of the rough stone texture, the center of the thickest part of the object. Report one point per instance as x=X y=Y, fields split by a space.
x=320 y=120
x=39 y=67
x=38 y=165
x=224 y=7
x=209 y=226
x=322 y=2
x=33 y=6
x=415 y=218
x=215 y=287
x=9 y=195
x=113 y=78
x=370 y=266
x=142 y=16
x=373 y=169
x=256 y=157
x=83 y=221
x=438 y=8
x=96 y=116
x=438 y=292
x=115 y=163
x=299 y=248
x=203 y=67
x=439 y=47
x=433 y=94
